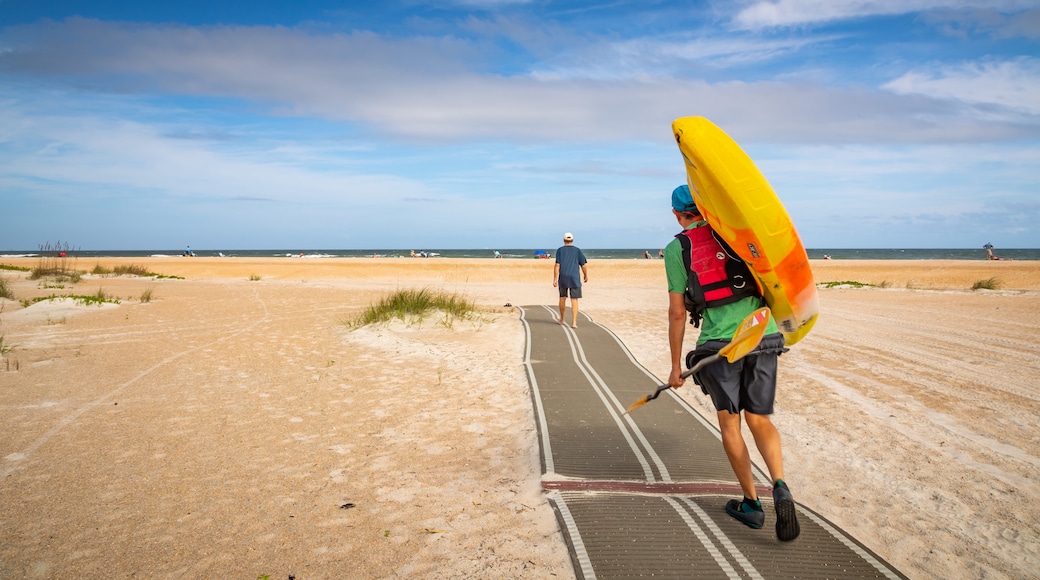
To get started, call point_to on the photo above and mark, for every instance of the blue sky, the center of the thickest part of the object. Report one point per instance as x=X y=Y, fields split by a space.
x=504 y=123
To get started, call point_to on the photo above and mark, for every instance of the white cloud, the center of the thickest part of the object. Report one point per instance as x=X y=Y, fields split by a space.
x=426 y=90
x=99 y=149
x=795 y=12
x=1013 y=84
x=91 y=116
x=647 y=58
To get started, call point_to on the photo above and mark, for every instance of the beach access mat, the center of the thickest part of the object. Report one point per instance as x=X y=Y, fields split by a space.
x=643 y=495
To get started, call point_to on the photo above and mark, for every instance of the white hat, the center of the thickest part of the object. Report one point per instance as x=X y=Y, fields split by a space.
x=567 y=237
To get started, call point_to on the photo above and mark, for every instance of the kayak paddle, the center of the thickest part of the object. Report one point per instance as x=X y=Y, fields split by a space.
x=744 y=340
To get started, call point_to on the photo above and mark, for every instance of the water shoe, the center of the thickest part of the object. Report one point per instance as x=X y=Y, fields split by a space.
x=787 y=527
x=746 y=513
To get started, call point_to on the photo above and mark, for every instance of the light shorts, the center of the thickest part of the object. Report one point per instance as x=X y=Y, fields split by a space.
x=575 y=292
x=748 y=384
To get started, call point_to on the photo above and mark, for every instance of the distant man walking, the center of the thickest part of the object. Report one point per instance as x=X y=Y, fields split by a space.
x=569 y=259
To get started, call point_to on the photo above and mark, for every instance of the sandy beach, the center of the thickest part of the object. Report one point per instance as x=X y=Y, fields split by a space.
x=233 y=425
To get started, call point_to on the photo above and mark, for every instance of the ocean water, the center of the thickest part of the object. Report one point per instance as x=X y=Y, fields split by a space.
x=525 y=253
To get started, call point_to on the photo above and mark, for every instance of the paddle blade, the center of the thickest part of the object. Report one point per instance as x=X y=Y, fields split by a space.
x=748 y=335
x=642 y=401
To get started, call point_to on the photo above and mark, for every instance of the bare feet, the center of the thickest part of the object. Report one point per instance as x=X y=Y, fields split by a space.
x=575 y=325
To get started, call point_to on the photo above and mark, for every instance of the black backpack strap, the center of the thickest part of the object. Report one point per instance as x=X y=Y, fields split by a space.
x=740 y=279
x=694 y=295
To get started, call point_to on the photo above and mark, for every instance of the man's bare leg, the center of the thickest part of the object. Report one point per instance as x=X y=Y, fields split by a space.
x=737 y=452
x=574 y=313
x=767 y=439
x=563 y=305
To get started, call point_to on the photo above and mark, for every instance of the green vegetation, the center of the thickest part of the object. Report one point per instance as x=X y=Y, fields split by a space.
x=254 y=278
x=99 y=298
x=128 y=269
x=4 y=346
x=58 y=275
x=987 y=284
x=5 y=290
x=146 y=296
x=852 y=283
x=414 y=305
x=14 y=268
x=133 y=270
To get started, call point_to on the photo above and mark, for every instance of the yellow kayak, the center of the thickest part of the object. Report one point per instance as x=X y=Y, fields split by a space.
x=743 y=209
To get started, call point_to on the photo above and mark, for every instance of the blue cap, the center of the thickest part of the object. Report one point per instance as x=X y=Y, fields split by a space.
x=682 y=200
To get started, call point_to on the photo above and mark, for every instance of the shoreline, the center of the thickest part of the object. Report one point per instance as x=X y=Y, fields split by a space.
x=814 y=254
x=910 y=274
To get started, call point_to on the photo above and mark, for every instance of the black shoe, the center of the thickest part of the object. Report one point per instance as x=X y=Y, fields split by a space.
x=745 y=513
x=787 y=527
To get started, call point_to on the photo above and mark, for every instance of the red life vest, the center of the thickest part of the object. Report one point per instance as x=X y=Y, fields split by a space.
x=716 y=275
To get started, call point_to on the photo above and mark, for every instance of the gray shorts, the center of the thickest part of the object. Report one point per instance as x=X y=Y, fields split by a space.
x=748 y=384
x=575 y=292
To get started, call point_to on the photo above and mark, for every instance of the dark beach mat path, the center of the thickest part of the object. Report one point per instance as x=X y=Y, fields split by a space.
x=643 y=495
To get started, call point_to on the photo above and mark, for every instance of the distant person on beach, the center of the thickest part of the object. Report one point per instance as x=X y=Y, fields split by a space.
x=569 y=259
x=707 y=280
x=989 y=252
x=188 y=252
x=497 y=255
x=646 y=255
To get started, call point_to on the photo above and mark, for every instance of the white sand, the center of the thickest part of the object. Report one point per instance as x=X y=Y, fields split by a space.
x=233 y=428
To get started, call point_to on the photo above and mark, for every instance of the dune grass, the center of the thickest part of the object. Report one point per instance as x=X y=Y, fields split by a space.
x=414 y=305
x=987 y=284
x=5 y=290
x=122 y=269
x=128 y=269
x=56 y=262
x=5 y=347
x=98 y=298
x=851 y=283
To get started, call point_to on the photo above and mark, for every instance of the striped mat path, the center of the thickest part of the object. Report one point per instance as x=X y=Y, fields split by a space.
x=643 y=495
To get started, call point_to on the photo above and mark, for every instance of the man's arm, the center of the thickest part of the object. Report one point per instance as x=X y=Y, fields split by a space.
x=556 y=273
x=585 y=272
x=676 y=333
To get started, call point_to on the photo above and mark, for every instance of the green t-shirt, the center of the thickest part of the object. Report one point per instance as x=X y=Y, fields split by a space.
x=719 y=322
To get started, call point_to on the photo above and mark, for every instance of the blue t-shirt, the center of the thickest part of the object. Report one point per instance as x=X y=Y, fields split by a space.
x=570 y=259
